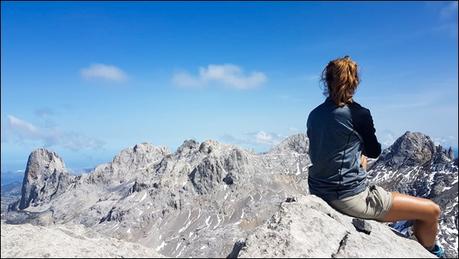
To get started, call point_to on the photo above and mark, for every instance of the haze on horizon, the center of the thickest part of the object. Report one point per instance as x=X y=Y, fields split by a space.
x=87 y=79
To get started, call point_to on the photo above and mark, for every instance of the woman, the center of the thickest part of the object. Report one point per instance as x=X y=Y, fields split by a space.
x=341 y=134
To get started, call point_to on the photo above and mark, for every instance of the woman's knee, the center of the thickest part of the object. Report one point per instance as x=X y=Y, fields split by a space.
x=412 y=208
x=432 y=212
x=436 y=210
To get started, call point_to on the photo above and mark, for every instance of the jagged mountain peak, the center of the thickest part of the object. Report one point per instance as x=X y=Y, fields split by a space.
x=413 y=149
x=298 y=143
x=45 y=157
x=212 y=146
x=42 y=163
x=140 y=149
x=187 y=146
x=419 y=141
x=413 y=142
x=139 y=156
x=45 y=169
x=191 y=148
x=413 y=137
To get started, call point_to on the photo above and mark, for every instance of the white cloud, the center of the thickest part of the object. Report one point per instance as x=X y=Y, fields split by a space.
x=23 y=128
x=105 y=72
x=260 y=140
x=227 y=74
x=262 y=137
x=21 y=131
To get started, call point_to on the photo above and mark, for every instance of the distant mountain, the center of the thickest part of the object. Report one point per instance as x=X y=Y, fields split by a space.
x=10 y=189
x=209 y=200
x=13 y=188
x=8 y=177
x=10 y=193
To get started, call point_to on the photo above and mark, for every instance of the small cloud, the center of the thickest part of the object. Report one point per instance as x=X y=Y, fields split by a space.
x=23 y=128
x=260 y=140
x=21 y=131
x=227 y=74
x=105 y=72
x=265 y=138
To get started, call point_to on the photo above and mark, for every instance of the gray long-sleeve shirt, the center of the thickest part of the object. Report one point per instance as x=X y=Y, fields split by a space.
x=337 y=138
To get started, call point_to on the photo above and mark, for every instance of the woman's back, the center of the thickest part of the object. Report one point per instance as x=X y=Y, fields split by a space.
x=335 y=149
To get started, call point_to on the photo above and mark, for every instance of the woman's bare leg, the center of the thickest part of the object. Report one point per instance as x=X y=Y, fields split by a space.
x=424 y=212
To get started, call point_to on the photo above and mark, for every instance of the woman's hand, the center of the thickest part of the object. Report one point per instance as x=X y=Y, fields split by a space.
x=363 y=162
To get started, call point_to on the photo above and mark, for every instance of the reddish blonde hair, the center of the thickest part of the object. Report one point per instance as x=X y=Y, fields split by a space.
x=340 y=78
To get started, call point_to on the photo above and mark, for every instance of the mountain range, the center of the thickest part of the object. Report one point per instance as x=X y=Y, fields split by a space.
x=212 y=199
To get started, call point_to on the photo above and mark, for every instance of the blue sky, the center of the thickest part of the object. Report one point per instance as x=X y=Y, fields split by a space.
x=88 y=79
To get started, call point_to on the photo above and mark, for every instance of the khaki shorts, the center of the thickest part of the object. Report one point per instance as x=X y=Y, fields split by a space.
x=373 y=203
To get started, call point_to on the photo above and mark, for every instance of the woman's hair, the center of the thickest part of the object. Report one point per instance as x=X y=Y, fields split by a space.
x=340 y=79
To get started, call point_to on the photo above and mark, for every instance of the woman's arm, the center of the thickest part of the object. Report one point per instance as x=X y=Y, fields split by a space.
x=363 y=124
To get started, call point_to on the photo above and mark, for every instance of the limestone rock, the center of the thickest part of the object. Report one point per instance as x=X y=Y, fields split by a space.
x=310 y=228
x=65 y=241
x=44 y=178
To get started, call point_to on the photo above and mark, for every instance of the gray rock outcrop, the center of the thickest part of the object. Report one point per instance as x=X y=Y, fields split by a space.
x=45 y=177
x=311 y=228
x=65 y=241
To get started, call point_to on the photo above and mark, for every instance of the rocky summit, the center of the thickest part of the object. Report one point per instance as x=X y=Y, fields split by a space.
x=212 y=199
x=311 y=228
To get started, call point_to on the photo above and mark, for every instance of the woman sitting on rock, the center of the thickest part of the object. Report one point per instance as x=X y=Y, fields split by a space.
x=341 y=134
